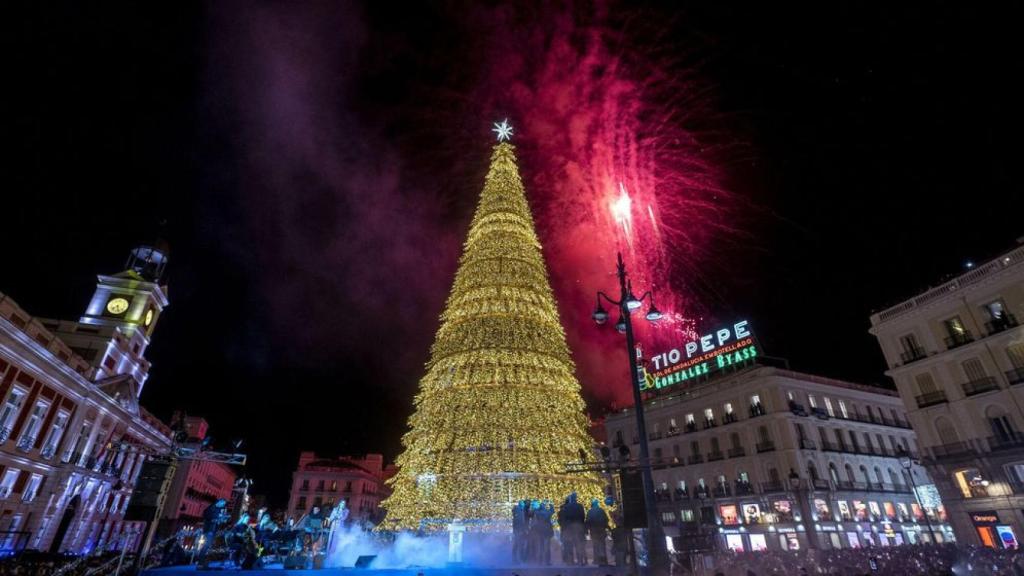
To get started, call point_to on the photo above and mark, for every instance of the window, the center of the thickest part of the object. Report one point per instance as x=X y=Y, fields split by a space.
x=32 y=488
x=686 y=515
x=1015 y=352
x=971 y=483
x=709 y=414
x=955 y=327
x=334 y=483
x=828 y=406
x=7 y=483
x=53 y=437
x=1000 y=423
x=925 y=383
x=35 y=420
x=618 y=439
x=842 y=409
x=672 y=423
x=689 y=419
x=305 y=484
x=973 y=369
x=320 y=485
x=790 y=396
x=10 y=410
x=909 y=344
x=735 y=439
x=996 y=310
x=728 y=407
x=755 y=400
x=812 y=401
x=695 y=447
x=302 y=503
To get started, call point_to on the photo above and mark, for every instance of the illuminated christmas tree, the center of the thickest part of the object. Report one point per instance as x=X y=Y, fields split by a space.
x=498 y=415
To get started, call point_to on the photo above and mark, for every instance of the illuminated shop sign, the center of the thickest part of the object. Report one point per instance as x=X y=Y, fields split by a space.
x=986 y=518
x=724 y=347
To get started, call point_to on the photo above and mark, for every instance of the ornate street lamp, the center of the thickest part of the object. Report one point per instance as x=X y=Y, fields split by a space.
x=627 y=303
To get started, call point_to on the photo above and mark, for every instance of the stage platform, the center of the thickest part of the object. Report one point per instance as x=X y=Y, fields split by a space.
x=411 y=571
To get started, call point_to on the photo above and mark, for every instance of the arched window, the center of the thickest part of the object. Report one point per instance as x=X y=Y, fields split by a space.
x=893 y=478
x=1001 y=424
x=833 y=473
x=812 y=470
x=878 y=475
x=849 y=474
x=946 y=431
x=864 y=473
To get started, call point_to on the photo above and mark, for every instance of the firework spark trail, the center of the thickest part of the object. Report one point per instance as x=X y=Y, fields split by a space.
x=604 y=134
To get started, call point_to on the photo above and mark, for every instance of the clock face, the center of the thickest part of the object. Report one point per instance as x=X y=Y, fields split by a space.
x=149 y=317
x=117 y=306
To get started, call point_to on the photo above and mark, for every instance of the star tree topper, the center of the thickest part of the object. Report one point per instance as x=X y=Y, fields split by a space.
x=503 y=130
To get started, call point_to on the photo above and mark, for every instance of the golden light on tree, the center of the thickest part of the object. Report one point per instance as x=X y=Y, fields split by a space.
x=499 y=414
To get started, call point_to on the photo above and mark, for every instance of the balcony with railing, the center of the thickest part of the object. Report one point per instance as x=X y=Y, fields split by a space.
x=797 y=408
x=5 y=433
x=25 y=443
x=952 y=449
x=709 y=423
x=48 y=451
x=1001 y=324
x=757 y=410
x=979 y=386
x=766 y=446
x=829 y=446
x=722 y=491
x=912 y=355
x=1015 y=376
x=1006 y=441
x=729 y=418
x=715 y=455
x=694 y=459
x=931 y=399
x=820 y=412
x=958 y=339
x=773 y=486
x=744 y=488
x=737 y=452
x=807 y=444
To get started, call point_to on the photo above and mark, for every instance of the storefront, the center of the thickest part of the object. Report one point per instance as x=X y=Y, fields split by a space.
x=992 y=532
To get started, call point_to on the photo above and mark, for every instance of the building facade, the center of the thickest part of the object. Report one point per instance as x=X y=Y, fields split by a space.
x=196 y=484
x=764 y=458
x=956 y=353
x=323 y=482
x=72 y=434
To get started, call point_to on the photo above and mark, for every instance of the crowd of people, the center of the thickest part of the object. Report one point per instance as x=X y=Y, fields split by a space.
x=894 y=561
x=533 y=530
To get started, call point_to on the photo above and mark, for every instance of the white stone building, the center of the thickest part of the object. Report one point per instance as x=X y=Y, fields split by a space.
x=68 y=400
x=956 y=353
x=323 y=482
x=766 y=458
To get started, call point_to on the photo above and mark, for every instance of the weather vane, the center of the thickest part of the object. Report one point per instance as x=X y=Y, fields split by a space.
x=503 y=130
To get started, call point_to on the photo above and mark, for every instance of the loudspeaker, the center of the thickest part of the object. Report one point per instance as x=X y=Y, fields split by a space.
x=365 y=561
x=634 y=514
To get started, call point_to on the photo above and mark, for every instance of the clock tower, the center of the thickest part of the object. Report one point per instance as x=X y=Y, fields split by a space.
x=118 y=323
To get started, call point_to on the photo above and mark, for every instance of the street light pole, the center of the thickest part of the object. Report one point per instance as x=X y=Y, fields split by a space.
x=627 y=303
x=907 y=463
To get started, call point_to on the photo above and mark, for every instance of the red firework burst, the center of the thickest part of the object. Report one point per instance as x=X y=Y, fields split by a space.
x=611 y=166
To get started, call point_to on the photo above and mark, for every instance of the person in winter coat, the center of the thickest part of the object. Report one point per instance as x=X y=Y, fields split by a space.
x=597 y=526
x=537 y=532
x=571 y=518
x=520 y=531
x=620 y=544
x=545 y=531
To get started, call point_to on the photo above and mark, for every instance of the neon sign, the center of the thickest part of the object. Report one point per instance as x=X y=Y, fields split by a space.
x=722 y=348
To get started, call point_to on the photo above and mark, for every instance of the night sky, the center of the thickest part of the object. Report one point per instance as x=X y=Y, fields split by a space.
x=314 y=168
